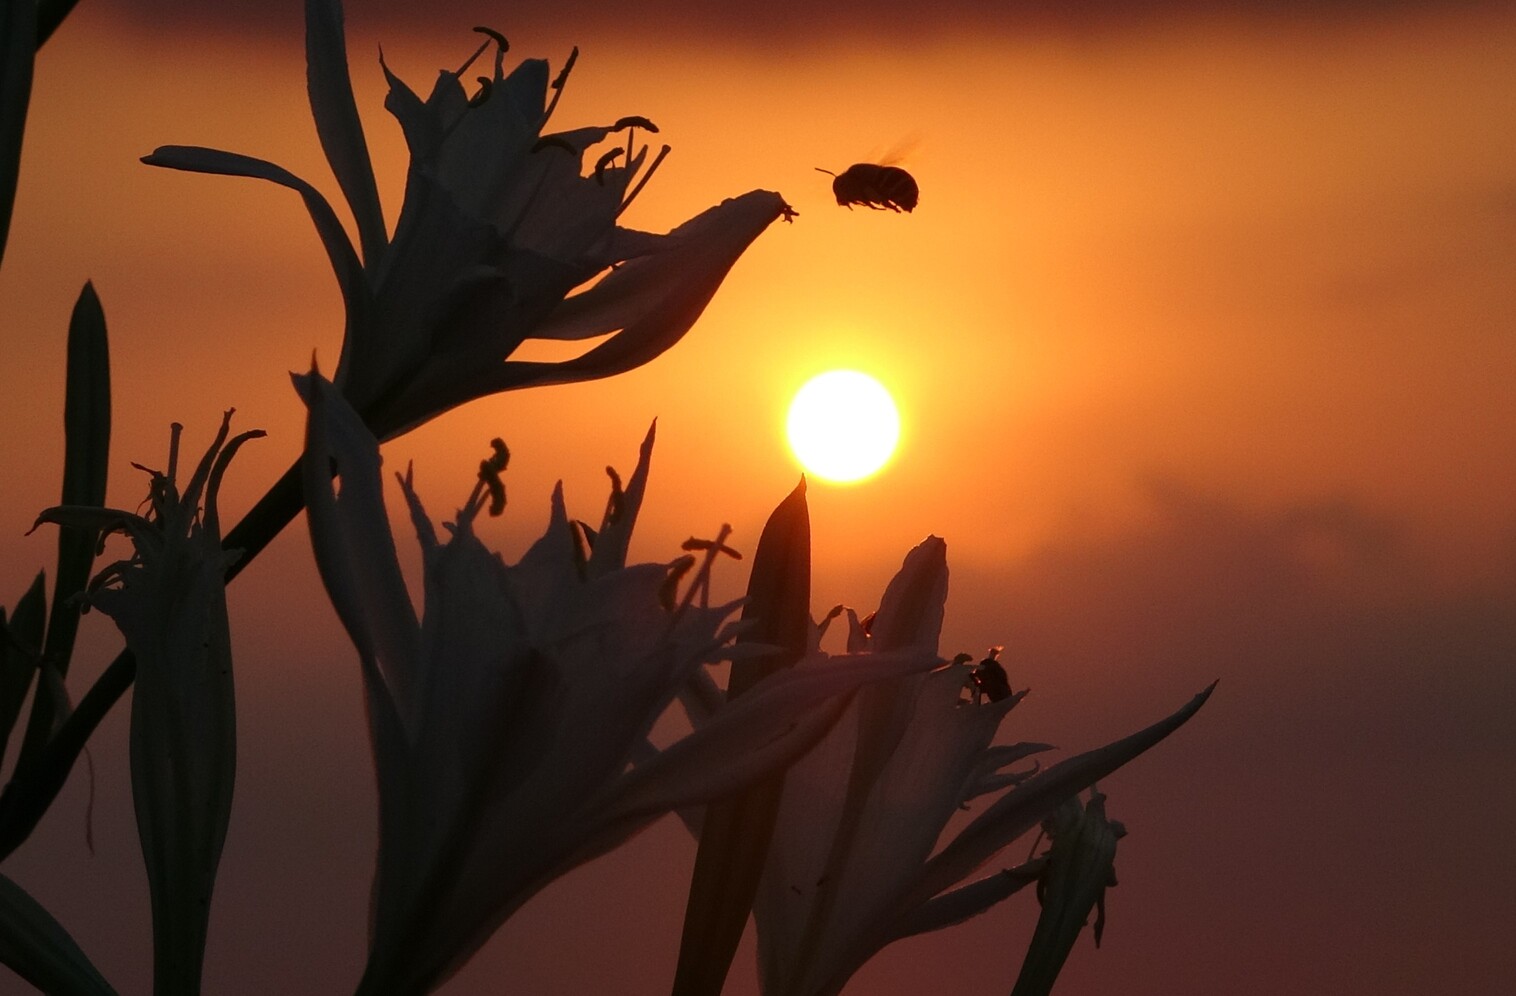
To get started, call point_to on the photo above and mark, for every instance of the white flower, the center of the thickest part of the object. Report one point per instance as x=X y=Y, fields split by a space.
x=169 y=601
x=856 y=861
x=510 y=722
x=501 y=232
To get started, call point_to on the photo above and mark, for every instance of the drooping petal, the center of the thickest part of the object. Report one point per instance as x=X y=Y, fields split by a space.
x=339 y=251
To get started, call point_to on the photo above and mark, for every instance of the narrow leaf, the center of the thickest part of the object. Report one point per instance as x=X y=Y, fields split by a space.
x=39 y=950
x=32 y=789
x=87 y=440
x=18 y=48
x=337 y=123
x=735 y=837
x=20 y=643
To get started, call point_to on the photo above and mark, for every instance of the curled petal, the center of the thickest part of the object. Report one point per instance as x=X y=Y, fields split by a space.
x=649 y=302
x=339 y=250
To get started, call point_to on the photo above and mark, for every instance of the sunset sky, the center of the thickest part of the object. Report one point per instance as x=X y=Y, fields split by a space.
x=1204 y=342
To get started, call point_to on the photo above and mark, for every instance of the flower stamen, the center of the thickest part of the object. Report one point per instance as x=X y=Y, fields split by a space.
x=557 y=85
x=647 y=175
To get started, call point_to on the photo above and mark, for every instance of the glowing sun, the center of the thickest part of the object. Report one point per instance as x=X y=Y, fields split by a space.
x=843 y=425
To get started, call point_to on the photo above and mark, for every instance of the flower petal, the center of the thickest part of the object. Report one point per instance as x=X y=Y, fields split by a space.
x=337 y=122
x=734 y=840
x=966 y=901
x=1080 y=865
x=350 y=535
x=1021 y=809
x=339 y=251
x=652 y=300
x=769 y=727
x=613 y=540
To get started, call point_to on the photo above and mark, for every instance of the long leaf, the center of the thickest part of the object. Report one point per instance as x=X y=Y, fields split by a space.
x=337 y=122
x=18 y=49
x=735 y=837
x=20 y=645
x=29 y=792
x=39 y=950
x=87 y=441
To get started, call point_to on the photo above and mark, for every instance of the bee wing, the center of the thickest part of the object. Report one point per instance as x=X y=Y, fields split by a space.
x=901 y=150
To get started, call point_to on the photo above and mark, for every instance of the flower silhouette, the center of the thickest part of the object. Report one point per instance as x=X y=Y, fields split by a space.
x=169 y=602
x=501 y=235
x=510 y=723
x=857 y=859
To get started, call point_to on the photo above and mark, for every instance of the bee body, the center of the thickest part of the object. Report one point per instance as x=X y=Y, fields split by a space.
x=882 y=188
x=990 y=679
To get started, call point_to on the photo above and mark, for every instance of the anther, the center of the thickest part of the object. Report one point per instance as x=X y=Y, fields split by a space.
x=485 y=86
x=604 y=163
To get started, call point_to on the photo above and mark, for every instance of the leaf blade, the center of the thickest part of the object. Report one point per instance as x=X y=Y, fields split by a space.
x=736 y=832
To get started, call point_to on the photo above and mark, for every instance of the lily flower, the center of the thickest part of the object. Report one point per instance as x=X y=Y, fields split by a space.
x=169 y=601
x=502 y=233
x=1080 y=864
x=509 y=723
x=858 y=858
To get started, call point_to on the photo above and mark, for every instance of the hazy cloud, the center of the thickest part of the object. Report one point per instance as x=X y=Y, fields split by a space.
x=777 y=23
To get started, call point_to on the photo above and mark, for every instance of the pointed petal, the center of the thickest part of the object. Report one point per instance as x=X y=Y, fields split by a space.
x=337 y=122
x=734 y=841
x=768 y=728
x=339 y=251
x=350 y=536
x=910 y=612
x=615 y=536
x=37 y=948
x=652 y=300
x=1021 y=809
x=967 y=901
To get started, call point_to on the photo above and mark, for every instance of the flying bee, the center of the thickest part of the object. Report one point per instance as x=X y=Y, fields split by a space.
x=883 y=188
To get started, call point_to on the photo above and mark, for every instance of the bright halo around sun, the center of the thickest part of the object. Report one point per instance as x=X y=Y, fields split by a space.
x=843 y=425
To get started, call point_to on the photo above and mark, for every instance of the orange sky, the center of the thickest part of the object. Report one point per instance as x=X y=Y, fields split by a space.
x=1202 y=341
